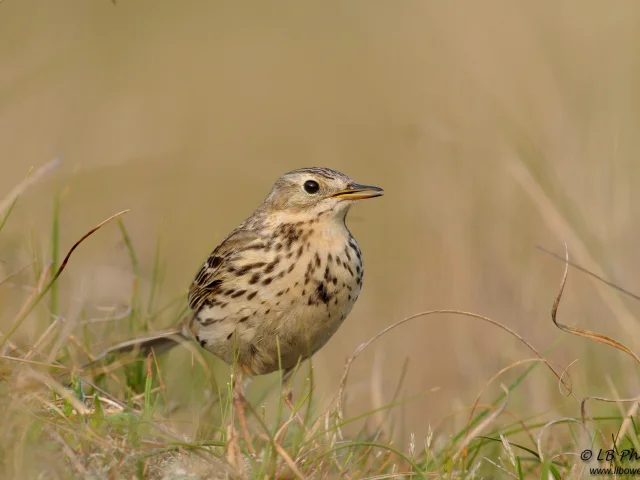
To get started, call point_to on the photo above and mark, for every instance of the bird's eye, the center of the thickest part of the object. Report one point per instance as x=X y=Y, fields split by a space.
x=311 y=186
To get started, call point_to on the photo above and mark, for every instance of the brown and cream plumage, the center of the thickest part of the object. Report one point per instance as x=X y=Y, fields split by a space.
x=283 y=281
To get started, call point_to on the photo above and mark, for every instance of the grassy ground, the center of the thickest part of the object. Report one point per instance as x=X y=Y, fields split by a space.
x=118 y=421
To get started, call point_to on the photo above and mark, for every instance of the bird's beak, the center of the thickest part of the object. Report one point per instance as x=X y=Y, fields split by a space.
x=356 y=191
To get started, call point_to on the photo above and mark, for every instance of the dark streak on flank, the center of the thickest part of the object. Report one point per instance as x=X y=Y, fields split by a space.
x=270 y=266
x=213 y=284
x=355 y=248
x=257 y=246
x=247 y=268
x=320 y=295
x=327 y=274
x=214 y=262
x=325 y=296
x=205 y=322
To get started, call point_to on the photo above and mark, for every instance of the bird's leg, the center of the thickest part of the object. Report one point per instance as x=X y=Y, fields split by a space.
x=239 y=402
x=287 y=392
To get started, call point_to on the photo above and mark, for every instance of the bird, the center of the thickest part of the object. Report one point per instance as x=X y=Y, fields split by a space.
x=279 y=286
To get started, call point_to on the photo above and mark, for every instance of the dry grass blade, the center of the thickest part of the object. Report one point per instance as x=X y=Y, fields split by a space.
x=44 y=338
x=33 y=362
x=31 y=305
x=481 y=426
x=561 y=421
x=28 y=302
x=285 y=456
x=39 y=174
x=391 y=475
x=590 y=335
x=490 y=381
x=362 y=347
x=82 y=239
x=558 y=222
x=590 y=273
x=598 y=337
x=63 y=392
x=583 y=404
x=38 y=288
x=68 y=451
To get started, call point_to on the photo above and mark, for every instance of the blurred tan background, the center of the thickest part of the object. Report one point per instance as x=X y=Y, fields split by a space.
x=493 y=127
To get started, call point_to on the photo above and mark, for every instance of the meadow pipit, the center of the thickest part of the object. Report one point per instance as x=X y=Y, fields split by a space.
x=279 y=286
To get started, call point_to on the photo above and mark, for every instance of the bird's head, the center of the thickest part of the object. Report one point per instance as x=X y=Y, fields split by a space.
x=311 y=192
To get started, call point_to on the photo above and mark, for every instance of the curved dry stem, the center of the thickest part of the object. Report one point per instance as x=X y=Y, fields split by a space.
x=481 y=426
x=554 y=422
x=583 y=403
x=360 y=349
x=490 y=381
x=598 y=337
x=565 y=371
x=82 y=239
x=29 y=306
x=590 y=273
x=590 y=335
x=285 y=456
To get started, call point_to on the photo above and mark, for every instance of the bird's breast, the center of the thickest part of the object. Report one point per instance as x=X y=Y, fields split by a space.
x=288 y=296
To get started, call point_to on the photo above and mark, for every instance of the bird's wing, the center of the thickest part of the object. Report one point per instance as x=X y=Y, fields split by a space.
x=224 y=266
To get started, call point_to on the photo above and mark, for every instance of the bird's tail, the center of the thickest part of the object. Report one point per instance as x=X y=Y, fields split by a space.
x=158 y=342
